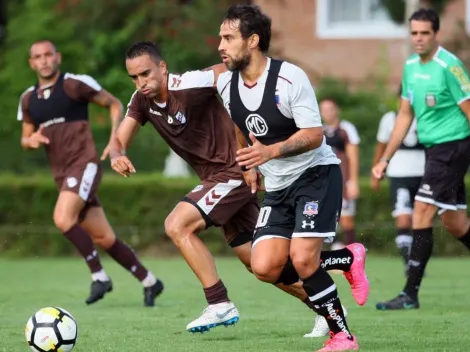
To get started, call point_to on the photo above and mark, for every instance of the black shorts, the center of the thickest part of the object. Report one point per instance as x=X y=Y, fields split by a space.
x=309 y=207
x=402 y=194
x=443 y=181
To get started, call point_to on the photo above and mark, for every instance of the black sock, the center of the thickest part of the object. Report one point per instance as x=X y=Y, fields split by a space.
x=421 y=250
x=322 y=292
x=340 y=259
x=465 y=239
x=403 y=241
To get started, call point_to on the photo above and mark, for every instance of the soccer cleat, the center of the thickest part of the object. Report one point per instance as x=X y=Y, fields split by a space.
x=339 y=342
x=402 y=301
x=215 y=315
x=152 y=292
x=98 y=290
x=321 y=327
x=356 y=276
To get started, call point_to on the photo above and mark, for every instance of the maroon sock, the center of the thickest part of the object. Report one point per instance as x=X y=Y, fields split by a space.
x=349 y=236
x=125 y=256
x=217 y=293
x=82 y=241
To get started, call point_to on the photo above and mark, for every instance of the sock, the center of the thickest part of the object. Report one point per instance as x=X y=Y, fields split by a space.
x=349 y=236
x=340 y=259
x=465 y=239
x=125 y=256
x=100 y=276
x=82 y=241
x=216 y=294
x=150 y=280
x=322 y=292
x=310 y=304
x=403 y=241
x=421 y=250
x=288 y=274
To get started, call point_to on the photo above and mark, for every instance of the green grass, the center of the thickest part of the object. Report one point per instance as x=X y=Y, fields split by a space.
x=270 y=320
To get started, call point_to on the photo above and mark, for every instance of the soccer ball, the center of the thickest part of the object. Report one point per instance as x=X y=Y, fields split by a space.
x=51 y=329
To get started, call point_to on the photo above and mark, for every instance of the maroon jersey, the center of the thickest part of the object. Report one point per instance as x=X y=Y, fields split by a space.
x=337 y=139
x=194 y=123
x=62 y=108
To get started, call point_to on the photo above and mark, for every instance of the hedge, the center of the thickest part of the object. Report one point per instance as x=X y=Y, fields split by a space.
x=137 y=207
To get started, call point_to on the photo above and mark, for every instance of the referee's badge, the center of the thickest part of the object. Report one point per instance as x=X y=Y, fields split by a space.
x=430 y=100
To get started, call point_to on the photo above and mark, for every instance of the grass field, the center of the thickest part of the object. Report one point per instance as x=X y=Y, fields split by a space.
x=270 y=320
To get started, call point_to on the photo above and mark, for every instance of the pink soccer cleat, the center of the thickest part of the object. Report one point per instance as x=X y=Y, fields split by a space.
x=339 y=342
x=356 y=276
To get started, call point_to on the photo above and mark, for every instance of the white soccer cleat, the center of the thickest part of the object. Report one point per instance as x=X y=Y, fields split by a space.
x=321 y=327
x=215 y=315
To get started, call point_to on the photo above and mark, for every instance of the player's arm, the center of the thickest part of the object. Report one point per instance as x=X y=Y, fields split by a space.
x=30 y=139
x=458 y=83
x=217 y=70
x=241 y=140
x=106 y=100
x=124 y=135
x=352 y=153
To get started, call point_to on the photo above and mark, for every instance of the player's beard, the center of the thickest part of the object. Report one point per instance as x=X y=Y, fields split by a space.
x=240 y=64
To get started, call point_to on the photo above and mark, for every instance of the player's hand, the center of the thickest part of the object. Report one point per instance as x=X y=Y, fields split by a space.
x=37 y=138
x=106 y=151
x=254 y=180
x=378 y=171
x=254 y=155
x=352 y=190
x=374 y=183
x=122 y=165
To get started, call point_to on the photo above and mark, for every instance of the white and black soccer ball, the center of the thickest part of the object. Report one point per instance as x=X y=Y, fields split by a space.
x=51 y=329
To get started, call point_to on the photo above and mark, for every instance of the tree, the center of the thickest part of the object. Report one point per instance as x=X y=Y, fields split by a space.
x=397 y=8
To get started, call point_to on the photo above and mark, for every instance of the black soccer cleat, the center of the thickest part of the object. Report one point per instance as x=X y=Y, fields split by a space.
x=152 y=292
x=98 y=290
x=402 y=301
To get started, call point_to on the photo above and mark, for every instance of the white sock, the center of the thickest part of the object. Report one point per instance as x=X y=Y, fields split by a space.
x=100 y=276
x=150 y=280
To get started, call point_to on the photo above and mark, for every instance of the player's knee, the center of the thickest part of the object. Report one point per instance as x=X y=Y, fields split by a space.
x=423 y=215
x=266 y=271
x=175 y=230
x=455 y=222
x=104 y=240
x=305 y=261
x=64 y=221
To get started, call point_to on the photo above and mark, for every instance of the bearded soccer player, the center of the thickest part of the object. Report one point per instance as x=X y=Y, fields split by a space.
x=436 y=91
x=185 y=110
x=54 y=113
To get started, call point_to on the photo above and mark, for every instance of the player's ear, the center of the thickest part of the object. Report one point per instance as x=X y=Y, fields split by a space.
x=253 y=41
x=59 y=58
x=163 y=67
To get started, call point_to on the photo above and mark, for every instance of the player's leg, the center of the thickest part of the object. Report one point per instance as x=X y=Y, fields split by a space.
x=322 y=183
x=66 y=218
x=205 y=206
x=457 y=221
x=348 y=224
x=402 y=196
x=97 y=225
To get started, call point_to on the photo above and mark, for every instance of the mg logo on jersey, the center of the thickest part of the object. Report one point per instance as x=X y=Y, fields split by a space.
x=257 y=125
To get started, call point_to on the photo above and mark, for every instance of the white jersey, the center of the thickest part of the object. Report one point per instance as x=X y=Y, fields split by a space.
x=295 y=100
x=351 y=131
x=405 y=162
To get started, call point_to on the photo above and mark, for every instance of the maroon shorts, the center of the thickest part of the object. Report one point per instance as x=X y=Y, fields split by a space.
x=229 y=205
x=83 y=180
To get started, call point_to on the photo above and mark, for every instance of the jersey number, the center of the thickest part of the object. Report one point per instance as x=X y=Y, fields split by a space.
x=263 y=217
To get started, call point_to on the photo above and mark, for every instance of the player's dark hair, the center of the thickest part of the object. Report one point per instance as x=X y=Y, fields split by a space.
x=427 y=15
x=144 y=48
x=252 y=21
x=330 y=99
x=42 y=41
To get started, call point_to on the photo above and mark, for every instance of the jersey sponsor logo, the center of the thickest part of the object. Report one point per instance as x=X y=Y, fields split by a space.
x=310 y=208
x=430 y=100
x=54 y=121
x=155 y=112
x=333 y=315
x=256 y=125
x=335 y=261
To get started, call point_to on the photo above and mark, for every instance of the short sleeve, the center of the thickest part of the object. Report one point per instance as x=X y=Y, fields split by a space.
x=23 y=106
x=81 y=87
x=135 y=109
x=303 y=101
x=458 y=82
x=191 y=80
x=386 y=127
x=351 y=130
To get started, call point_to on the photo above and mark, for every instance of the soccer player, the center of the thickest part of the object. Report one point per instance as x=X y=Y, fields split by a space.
x=186 y=112
x=405 y=170
x=435 y=90
x=274 y=106
x=54 y=113
x=343 y=138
